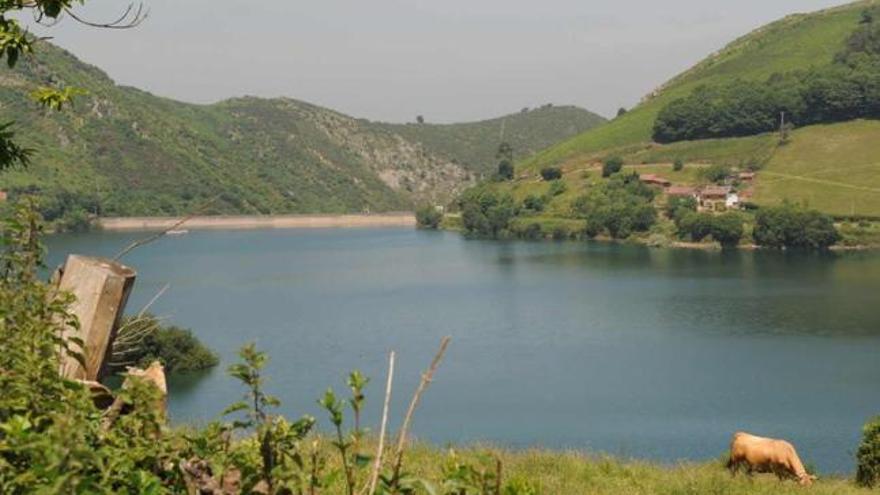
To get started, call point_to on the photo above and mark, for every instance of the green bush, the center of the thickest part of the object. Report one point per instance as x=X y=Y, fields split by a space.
x=534 y=203
x=622 y=206
x=551 y=173
x=696 y=226
x=486 y=213
x=727 y=229
x=505 y=170
x=868 y=455
x=612 y=165
x=678 y=166
x=678 y=206
x=144 y=339
x=716 y=173
x=794 y=227
x=557 y=187
x=427 y=217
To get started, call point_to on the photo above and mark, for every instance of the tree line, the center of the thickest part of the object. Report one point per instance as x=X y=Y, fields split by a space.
x=847 y=89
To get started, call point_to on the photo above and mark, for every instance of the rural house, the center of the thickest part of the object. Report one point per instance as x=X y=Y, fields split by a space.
x=718 y=198
x=655 y=180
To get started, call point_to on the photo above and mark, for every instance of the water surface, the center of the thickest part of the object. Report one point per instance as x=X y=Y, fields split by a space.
x=658 y=354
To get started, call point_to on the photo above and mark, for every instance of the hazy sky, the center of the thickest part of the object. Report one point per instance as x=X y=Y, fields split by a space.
x=450 y=60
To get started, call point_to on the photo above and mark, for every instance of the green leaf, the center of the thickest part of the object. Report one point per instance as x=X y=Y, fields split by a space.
x=234 y=408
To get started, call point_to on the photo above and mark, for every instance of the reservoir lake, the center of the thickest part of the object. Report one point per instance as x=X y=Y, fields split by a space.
x=654 y=354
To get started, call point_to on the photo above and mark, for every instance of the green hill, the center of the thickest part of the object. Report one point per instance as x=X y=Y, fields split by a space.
x=122 y=151
x=830 y=167
x=529 y=132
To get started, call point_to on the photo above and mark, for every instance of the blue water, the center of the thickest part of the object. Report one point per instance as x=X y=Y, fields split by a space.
x=656 y=354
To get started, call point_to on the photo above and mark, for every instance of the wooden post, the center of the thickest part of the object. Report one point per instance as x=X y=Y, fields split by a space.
x=101 y=288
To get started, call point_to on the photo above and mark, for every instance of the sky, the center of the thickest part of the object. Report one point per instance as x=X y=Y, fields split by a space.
x=391 y=60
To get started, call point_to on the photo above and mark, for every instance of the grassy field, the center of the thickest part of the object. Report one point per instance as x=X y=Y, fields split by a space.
x=571 y=473
x=835 y=168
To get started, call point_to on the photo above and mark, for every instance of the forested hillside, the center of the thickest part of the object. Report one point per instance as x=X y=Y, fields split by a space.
x=122 y=151
x=528 y=132
x=772 y=141
x=818 y=69
x=797 y=42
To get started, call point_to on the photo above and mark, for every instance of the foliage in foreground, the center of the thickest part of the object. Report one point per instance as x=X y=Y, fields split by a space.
x=53 y=439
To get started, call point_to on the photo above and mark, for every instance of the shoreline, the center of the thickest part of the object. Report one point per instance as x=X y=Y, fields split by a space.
x=252 y=222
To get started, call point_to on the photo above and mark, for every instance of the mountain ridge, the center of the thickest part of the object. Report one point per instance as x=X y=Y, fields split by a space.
x=120 y=150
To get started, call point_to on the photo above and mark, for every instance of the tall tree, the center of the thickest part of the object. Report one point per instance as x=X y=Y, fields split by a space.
x=505 y=161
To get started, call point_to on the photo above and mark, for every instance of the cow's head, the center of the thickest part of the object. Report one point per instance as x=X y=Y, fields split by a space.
x=807 y=479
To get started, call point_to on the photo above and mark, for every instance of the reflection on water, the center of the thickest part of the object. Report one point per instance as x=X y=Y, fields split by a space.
x=639 y=352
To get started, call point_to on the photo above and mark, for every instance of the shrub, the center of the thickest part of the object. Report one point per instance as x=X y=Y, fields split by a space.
x=534 y=202
x=868 y=455
x=678 y=206
x=143 y=339
x=612 y=166
x=789 y=226
x=486 y=213
x=727 y=229
x=427 y=217
x=678 y=166
x=504 y=155
x=621 y=207
x=505 y=170
x=716 y=173
x=696 y=226
x=551 y=173
x=557 y=187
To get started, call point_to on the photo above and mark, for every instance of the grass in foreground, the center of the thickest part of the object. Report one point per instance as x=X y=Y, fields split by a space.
x=566 y=473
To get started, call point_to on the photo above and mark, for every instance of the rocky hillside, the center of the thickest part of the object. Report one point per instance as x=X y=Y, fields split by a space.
x=122 y=151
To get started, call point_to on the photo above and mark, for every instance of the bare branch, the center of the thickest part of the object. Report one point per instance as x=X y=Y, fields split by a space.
x=153 y=300
x=141 y=242
x=377 y=464
x=427 y=377
x=131 y=17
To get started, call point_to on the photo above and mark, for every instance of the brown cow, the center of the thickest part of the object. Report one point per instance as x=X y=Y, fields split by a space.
x=766 y=455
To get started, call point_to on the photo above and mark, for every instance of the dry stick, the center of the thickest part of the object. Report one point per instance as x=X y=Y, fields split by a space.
x=423 y=385
x=377 y=464
x=136 y=244
x=153 y=300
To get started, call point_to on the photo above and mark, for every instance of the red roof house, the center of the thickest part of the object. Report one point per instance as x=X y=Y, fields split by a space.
x=655 y=180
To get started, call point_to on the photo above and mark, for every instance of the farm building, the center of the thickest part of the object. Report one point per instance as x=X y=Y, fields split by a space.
x=655 y=180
